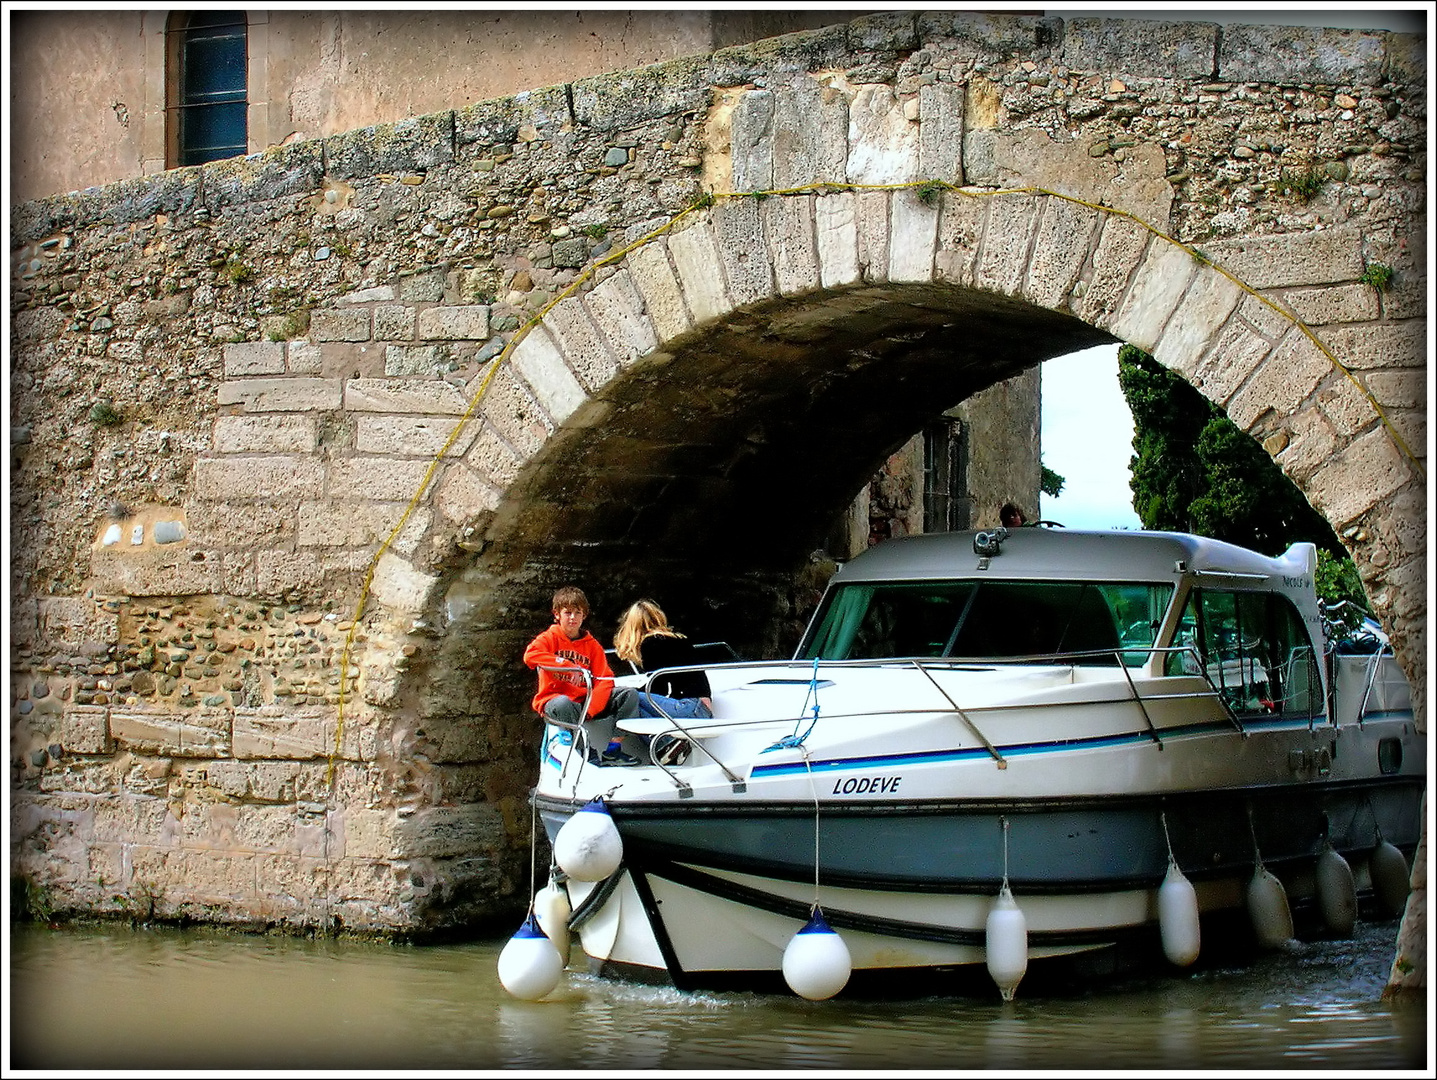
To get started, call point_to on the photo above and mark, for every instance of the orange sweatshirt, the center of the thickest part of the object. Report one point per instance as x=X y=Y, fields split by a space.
x=553 y=646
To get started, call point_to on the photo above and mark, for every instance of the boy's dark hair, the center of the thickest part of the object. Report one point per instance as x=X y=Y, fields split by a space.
x=570 y=596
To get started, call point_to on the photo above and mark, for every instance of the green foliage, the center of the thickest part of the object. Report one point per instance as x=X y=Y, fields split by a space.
x=1193 y=470
x=596 y=232
x=1052 y=484
x=103 y=414
x=930 y=192
x=236 y=271
x=1302 y=184
x=1378 y=275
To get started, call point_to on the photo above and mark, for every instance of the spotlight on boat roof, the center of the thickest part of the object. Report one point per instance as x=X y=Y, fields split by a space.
x=988 y=543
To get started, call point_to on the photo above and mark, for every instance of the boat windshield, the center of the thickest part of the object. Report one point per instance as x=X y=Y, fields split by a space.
x=988 y=620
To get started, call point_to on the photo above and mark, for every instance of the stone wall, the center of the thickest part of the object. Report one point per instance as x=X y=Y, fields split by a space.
x=280 y=371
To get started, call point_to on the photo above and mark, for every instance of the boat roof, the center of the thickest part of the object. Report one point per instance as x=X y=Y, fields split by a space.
x=1057 y=554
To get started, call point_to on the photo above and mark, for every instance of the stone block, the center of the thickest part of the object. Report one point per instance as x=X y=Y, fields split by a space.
x=128 y=818
x=1282 y=382
x=404 y=396
x=467 y=323
x=1292 y=259
x=304 y=358
x=1199 y=317
x=695 y=255
x=265 y=434
x=882 y=142
x=168 y=571
x=195 y=734
x=1002 y=261
x=1358 y=477
x=541 y=363
x=792 y=249
x=872 y=220
x=240 y=525
x=77 y=621
x=960 y=229
x=368 y=834
x=1153 y=50
x=1235 y=354
x=338 y=524
x=379 y=478
x=650 y=270
x=412 y=436
x=402 y=360
x=410 y=145
x=84 y=729
x=464 y=495
x=1161 y=280
x=940 y=132
x=1120 y=247
x=402 y=587
x=269 y=476
x=1300 y=54
x=282 y=395
x=751 y=121
x=254 y=358
x=618 y=310
x=913 y=239
x=1334 y=304
x=1060 y=248
x=810 y=132
x=584 y=351
x=835 y=219
x=278 y=572
x=343 y=325
x=1386 y=345
x=394 y=322
x=738 y=233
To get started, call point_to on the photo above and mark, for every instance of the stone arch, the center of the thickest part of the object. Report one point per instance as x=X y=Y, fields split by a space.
x=896 y=268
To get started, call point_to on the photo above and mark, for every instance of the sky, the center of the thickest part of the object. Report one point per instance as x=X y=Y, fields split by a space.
x=1087 y=438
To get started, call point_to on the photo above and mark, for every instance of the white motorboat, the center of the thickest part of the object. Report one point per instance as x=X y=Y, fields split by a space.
x=1000 y=747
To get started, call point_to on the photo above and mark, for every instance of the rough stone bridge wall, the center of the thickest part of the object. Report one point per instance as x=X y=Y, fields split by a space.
x=245 y=397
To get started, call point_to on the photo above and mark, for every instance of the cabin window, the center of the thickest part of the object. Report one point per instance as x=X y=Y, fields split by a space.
x=1254 y=649
x=1101 y=623
x=207 y=87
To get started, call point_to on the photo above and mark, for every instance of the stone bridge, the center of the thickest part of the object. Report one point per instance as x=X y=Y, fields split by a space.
x=303 y=442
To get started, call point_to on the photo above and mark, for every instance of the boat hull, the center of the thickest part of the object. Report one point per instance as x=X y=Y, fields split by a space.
x=710 y=892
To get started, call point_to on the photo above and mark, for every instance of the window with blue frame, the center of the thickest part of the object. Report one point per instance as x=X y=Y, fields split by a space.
x=208 y=81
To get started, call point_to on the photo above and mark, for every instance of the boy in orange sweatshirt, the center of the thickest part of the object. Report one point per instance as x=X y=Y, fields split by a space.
x=560 y=696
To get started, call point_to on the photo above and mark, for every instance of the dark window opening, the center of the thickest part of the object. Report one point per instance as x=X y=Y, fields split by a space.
x=208 y=87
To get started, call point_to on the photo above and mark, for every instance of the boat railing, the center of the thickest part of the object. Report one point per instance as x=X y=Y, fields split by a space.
x=696 y=730
x=577 y=735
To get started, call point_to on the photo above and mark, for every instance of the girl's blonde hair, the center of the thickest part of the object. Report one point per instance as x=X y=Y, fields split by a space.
x=643 y=618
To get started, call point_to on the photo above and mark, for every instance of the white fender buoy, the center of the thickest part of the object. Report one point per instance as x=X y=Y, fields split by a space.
x=1006 y=943
x=588 y=846
x=529 y=965
x=1268 y=909
x=1391 y=877
x=1336 y=892
x=816 y=963
x=1178 y=918
x=552 y=909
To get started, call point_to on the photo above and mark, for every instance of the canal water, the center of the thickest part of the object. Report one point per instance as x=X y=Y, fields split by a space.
x=119 y=999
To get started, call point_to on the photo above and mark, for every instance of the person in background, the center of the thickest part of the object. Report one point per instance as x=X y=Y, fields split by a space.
x=1011 y=516
x=647 y=641
x=560 y=695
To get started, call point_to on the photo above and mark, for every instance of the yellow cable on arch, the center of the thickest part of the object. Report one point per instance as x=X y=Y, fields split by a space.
x=705 y=201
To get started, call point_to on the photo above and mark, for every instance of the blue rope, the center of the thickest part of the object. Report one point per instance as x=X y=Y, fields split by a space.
x=795 y=740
